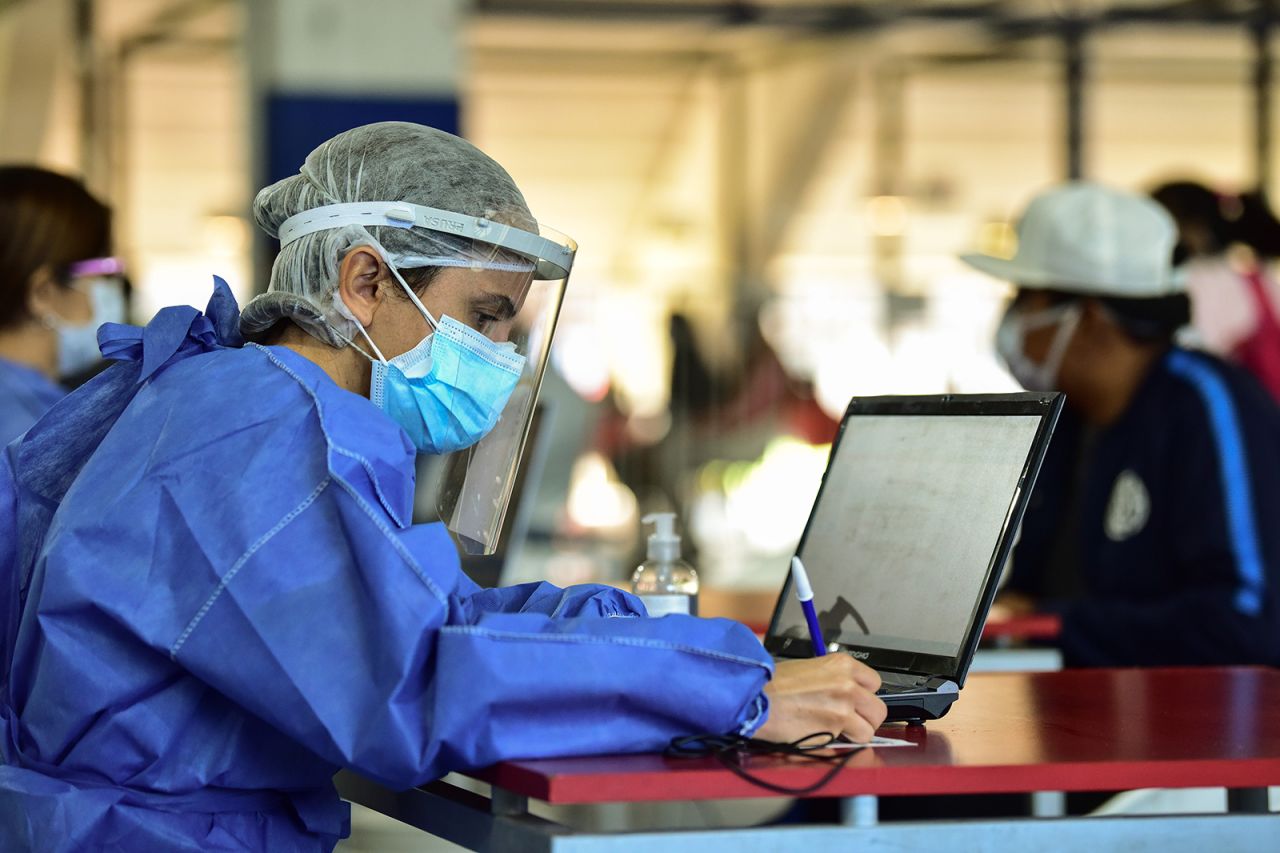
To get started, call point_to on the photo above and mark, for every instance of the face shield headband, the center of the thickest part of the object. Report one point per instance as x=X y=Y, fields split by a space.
x=551 y=259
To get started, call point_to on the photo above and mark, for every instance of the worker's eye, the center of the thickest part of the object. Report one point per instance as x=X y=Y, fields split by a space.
x=483 y=321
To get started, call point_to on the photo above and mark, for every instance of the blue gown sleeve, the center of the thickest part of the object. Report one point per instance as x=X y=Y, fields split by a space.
x=550 y=600
x=361 y=642
x=9 y=605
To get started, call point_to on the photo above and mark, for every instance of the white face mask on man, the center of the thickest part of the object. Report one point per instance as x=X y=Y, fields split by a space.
x=1011 y=337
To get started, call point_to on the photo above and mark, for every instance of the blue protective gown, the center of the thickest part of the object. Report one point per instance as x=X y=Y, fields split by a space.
x=214 y=599
x=25 y=395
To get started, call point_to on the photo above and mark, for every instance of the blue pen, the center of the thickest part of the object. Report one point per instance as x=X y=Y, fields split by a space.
x=804 y=592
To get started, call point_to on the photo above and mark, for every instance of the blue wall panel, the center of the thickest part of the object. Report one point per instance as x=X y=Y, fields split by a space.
x=295 y=124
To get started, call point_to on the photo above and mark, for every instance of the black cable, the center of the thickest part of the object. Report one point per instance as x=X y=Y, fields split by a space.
x=729 y=750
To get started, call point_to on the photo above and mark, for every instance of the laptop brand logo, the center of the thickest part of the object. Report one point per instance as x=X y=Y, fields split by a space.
x=861 y=655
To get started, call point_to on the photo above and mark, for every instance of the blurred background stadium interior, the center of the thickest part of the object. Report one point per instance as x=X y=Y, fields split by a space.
x=769 y=196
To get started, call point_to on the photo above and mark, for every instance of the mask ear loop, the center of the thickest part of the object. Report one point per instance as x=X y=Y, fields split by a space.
x=381 y=358
x=1062 y=339
x=346 y=312
x=413 y=297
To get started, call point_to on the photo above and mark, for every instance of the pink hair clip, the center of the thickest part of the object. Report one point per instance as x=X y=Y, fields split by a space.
x=96 y=266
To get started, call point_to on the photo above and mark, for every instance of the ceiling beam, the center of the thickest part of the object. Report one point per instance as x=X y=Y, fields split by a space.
x=1003 y=18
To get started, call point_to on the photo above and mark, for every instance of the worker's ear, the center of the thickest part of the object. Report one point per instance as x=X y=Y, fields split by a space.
x=362 y=277
x=42 y=293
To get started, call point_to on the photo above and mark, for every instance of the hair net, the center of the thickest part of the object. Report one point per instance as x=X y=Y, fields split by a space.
x=388 y=161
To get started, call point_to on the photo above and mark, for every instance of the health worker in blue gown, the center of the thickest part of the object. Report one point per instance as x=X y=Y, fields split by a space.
x=56 y=287
x=215 y=597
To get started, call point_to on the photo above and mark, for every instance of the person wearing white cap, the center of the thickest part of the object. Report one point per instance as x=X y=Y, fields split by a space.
x=1152 y=529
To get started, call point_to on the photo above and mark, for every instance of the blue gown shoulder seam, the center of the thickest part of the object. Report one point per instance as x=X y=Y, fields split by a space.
x=640 y=642
x=243 y=559
x=396 y=544
x=377 y=487
x=364 y=463
x=368 y=510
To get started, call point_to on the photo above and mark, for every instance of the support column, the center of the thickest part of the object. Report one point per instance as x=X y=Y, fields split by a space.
x=888 y=212
x=1073 y=37
x=731 y=176
x=1249 y=800
x=1048 y=803
x=319 y=67
x=862 y=810
x=86 y=59
x=1260 y=34
x=34 y=41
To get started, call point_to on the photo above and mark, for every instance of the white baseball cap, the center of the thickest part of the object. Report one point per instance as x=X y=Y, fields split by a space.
x=1090 y=239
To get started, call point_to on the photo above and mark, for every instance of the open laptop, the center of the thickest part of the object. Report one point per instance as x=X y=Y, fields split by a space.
x=911 y=528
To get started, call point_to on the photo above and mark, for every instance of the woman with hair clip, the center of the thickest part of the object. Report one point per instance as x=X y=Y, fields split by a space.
x=56 y=288
x=1225 y=245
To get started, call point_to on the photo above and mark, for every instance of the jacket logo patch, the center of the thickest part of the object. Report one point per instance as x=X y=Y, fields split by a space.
x=1129 y=507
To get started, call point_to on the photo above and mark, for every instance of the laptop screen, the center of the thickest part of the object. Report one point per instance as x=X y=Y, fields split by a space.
x=906 y=528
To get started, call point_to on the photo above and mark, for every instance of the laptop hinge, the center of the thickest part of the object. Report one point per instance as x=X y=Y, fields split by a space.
x=924 y=682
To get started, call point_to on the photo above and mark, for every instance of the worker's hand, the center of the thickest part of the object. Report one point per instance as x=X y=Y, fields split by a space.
x=833 y=693
x=1010 y=605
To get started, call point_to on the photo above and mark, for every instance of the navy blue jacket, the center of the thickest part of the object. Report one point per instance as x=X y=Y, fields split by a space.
x=1158 y=537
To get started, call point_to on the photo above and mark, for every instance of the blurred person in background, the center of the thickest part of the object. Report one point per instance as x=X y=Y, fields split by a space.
x=1226 y=247
x=1152 y=530
x=56 y=289
x=217 y=598
x=653 y=459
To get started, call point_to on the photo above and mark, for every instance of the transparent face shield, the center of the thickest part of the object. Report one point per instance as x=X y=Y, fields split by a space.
x=475 y=488
x=511 y=289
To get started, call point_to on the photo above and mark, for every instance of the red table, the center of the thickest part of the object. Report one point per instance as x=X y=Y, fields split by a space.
x=1036 y=626
x=1075 y=730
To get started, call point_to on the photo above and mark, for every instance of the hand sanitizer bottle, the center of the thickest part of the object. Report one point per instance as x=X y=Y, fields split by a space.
x=664 y=582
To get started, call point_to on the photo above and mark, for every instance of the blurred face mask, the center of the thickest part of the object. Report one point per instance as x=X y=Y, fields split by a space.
x=78 y=343
x=1011 y=338
x=448 y=391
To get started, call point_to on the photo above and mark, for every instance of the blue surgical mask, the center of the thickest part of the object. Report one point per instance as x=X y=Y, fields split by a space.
x=78 y=344
x=447 y=392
